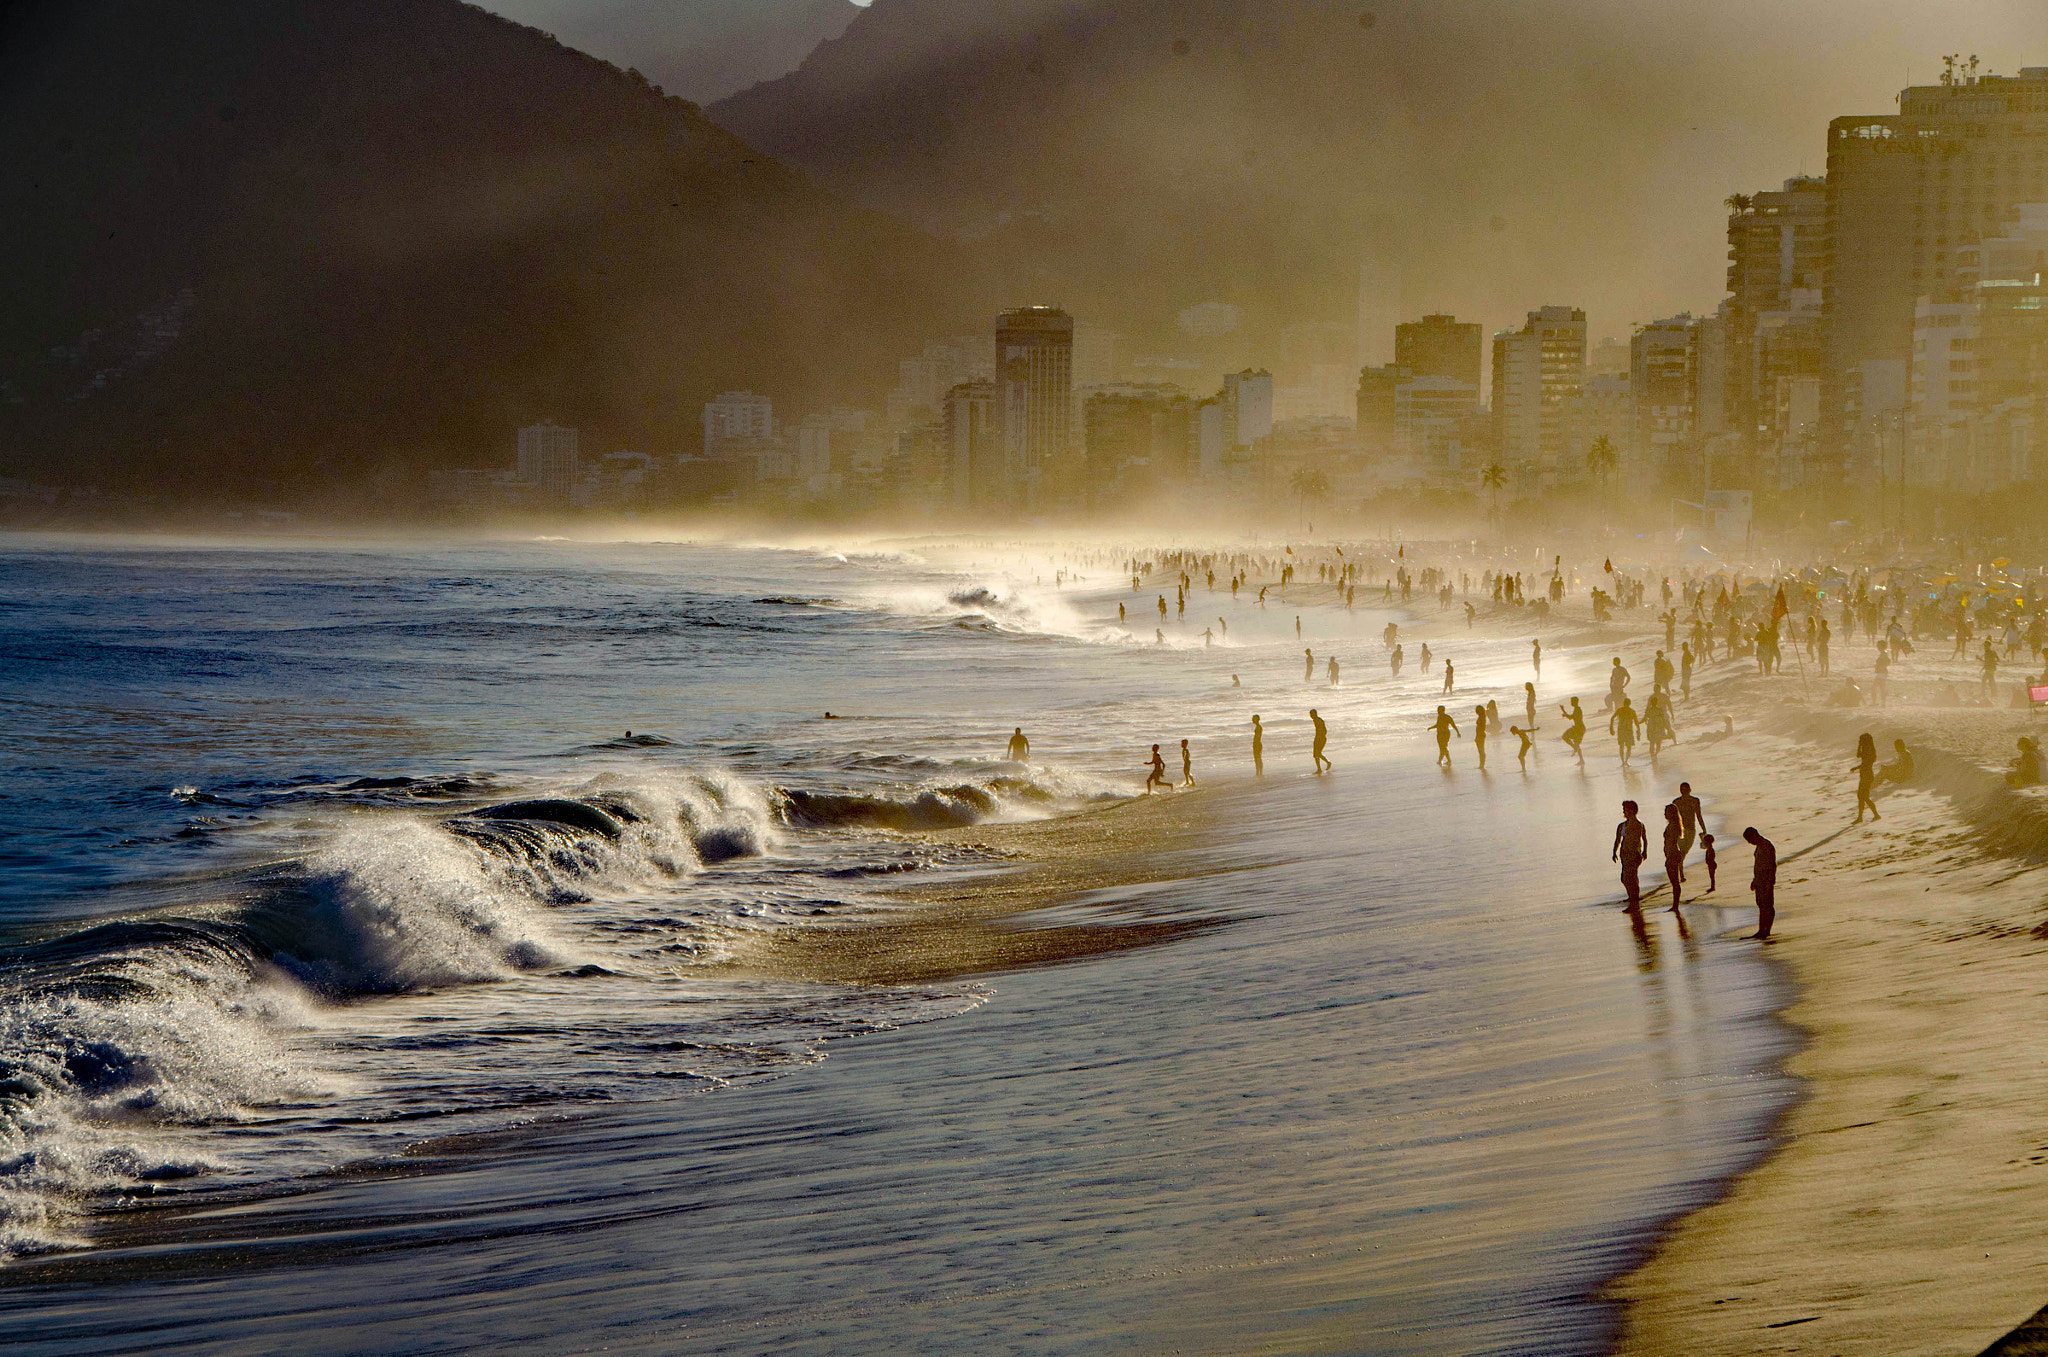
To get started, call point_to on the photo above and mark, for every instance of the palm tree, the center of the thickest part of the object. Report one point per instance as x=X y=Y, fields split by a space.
x=1307 y=484
x=1494 y=477
x=1739 y=202
x=1601 y=459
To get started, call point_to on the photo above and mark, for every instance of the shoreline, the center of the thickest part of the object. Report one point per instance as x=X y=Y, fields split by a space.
x=1894 y=1209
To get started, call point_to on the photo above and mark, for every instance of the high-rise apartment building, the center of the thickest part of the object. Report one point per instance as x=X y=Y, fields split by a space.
x=1139 y=436
x=737 y=417
x=1661 y=366
x=1440 y=346
x=1035 y=376
x=1777 y=247
x=548 y=461
x=1378 y=426
x=1906 y=194
x=975 y=453
x=1539 y=372
x=1978 y=398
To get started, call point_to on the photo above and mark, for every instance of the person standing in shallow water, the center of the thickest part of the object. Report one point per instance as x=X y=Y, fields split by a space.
x=1575 y=733
x=1445 y=726
x=1763 y=879
x=1674 y=853
x=1308 y=673
x=1258 y=748
x=1622 y=725
x=1322 y=739
x=1631 y=846
x=1529 y=704
x=1187 y=766
x=1479 y=735
x=1020 y=748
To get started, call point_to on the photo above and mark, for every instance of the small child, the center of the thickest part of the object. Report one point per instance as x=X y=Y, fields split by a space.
x=1522 y=755
x=1707 y=842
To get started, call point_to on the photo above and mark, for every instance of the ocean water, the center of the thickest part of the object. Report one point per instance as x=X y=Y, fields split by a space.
x=363 y=980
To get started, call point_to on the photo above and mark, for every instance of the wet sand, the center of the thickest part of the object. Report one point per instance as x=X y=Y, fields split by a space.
x=1901 y=1213
x=972 y=923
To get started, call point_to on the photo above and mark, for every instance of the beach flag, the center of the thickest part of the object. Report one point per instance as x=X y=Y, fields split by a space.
x=1778 y=608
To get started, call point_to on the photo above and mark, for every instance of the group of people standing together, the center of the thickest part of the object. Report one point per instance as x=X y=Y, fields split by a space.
x=1685 y=822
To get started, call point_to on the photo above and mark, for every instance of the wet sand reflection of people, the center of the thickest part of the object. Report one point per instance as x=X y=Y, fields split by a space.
x=1631 y=846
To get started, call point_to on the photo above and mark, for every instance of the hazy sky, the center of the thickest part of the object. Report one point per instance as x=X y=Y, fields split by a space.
x=1647 y=114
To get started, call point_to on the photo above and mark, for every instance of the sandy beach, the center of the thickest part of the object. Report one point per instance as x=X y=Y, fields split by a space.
x=1899 y=1214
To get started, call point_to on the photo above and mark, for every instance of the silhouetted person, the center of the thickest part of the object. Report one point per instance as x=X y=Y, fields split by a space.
x=1882 y=682
x=1707 y=847
x=1187 y=766
x=1575 y=733
x=1258 y=748
x=1763 y=880
x=1450 y=677
x=1528 y=743
x=1235 y=682
x=1631 y=846
x=1308 y=672
x=1691 y=816
x=1617 y=683
x=1334 y=671
x=1396 y=660
x=1529 y=704
x=1900 y=769
x=1479 y=735
x=1674 y=853
x=1445 y=726
x=1536 y=656
x=1685 y=663
x=1866 y=776
x=1322 y=739
x=1622 y=725
x=2026 y=769
x=1020 y=748
x=1157 y=776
